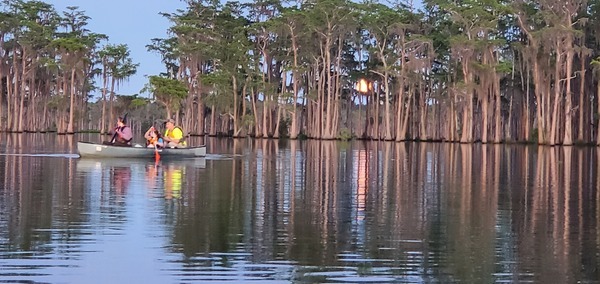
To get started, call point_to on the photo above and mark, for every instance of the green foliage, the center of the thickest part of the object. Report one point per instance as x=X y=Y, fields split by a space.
x=247 y=120
x=595 y=63
x=139 y=102
x=168 y=50
x=117 y=61
x=70 y=45
x=345 y=134
x=504 y=67
x=168 y=91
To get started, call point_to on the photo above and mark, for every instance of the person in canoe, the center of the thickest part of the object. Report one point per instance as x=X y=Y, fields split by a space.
x=123 y=134
x=173 y=135
x=153 y=138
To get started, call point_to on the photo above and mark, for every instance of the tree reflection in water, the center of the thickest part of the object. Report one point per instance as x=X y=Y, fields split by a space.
x=420 y=212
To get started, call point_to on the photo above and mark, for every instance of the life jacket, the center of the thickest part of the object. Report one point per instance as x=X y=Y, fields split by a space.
x=121 y=140
x=169 y=133
x=152 y=140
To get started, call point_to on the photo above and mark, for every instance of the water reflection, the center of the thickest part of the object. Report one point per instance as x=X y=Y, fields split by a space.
x=303 y=211
x=173 y=176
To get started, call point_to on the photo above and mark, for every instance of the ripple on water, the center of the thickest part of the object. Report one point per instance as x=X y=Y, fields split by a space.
x=362 y=279
x=231 y=267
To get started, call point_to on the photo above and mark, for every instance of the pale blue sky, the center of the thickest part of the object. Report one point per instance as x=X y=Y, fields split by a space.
x=132 y=22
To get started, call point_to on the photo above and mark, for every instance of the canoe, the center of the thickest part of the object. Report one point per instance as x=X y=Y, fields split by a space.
x=89 y=149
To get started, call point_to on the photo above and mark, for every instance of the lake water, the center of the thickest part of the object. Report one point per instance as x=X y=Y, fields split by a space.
x=269 y=211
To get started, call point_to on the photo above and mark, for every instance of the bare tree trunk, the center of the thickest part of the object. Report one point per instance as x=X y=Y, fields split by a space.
x=467 y=129
x=294 y=130
x=278 y=119
x=554 y=127
x=213 y=118
x=453 y=120
x=169 y=111
x=201 y=120
x=498 y=110
x=598 y=126
x=527 y=109
x=276 y=131
x=294 y=126
x=243 y=112
x=541 y=106
x=72 y=104
x=266 y=109
x=580 y=133
x=485 y=113
x=2 y=122
x=328 y=91
x=508 y=135
x=424 y=113
x=568 y=139
x=407 y=113
x=22 y=95
x=235 y=115
x=111 y=112
x=400 y=131
x=11 y=95
x=104 y=87
x=257 y=128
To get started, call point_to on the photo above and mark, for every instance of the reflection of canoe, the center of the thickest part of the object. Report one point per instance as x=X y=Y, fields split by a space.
x=88 y=149
x=90 y=164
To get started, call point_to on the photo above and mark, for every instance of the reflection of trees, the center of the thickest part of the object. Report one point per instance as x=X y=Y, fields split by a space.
x=456 y=212
x=205 y=216
x=319 y=205
x=38 y=194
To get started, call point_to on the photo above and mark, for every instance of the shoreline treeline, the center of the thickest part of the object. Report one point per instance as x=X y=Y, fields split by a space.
x=462 y=71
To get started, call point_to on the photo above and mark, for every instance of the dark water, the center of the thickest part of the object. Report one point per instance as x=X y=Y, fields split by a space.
x=267 y=211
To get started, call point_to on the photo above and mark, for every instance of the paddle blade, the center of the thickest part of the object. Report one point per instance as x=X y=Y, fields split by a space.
x=156 y=154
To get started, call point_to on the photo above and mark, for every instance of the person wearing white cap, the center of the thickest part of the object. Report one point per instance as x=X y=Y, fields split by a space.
x=173 y=135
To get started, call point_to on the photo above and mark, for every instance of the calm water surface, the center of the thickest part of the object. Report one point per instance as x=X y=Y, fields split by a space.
x=267 y=211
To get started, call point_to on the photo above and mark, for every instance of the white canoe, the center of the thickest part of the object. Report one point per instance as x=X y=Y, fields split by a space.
x=88 y=149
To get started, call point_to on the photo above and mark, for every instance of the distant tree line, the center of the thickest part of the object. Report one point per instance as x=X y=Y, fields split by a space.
x=462 y=71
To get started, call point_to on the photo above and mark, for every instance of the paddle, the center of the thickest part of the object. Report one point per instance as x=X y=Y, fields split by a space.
x=112 y=140
x=156 y=154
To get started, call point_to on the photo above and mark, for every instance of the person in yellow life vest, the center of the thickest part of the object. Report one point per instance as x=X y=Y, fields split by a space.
x=173 y=135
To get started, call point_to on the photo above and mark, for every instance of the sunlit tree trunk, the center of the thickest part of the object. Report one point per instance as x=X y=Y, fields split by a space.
x=467 y=129
x=484 y=113
x=400 y=131
x=72 y=103
x=111 y=99
x=213 y=121
x=257 y=127
x=104 y=89
x=568 y=139
x=598 y=108
x=294 y=125
x=22 y=92
x=582 y=106
x=557 y=95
